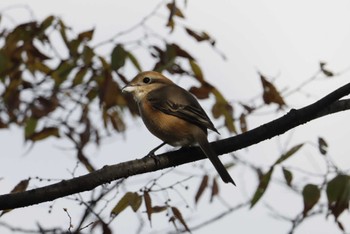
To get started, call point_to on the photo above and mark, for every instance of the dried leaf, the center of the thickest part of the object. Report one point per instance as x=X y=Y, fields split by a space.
x=148 y=204
x=201 y=92
x=311 y=195
x=44 y=133
x=243 y=123
x=86 y=36
x=158 y=209
x=178 y=216
x=214 y=189
x=322 y=146
x=270 y=94
x=325 y=71
x=201 y=188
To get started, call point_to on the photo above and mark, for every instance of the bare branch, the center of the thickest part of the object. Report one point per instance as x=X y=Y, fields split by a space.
x=325 y=106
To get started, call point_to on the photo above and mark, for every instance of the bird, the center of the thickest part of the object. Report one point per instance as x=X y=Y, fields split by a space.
x=174 y=115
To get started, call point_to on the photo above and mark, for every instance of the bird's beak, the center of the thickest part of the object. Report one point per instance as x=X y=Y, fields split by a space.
x=128 y=88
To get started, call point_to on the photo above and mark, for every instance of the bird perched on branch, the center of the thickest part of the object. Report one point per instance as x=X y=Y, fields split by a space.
x=173 y=115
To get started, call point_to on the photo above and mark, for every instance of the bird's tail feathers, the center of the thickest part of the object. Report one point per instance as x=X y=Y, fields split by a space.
x=213 y=157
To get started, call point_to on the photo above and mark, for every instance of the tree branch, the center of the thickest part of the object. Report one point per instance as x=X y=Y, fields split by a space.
x=325 y=106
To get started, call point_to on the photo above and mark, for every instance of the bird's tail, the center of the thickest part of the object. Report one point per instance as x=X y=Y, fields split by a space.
x=213 y=157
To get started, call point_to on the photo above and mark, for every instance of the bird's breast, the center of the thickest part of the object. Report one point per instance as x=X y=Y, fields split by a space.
x=170 y=129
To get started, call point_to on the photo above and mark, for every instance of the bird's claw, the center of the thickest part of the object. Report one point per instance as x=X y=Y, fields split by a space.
x=155 y=157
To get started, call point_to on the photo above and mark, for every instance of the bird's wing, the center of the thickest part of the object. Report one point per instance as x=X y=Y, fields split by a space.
x=173 y=100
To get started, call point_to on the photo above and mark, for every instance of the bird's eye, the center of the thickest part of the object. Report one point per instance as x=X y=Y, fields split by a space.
x=146 y=80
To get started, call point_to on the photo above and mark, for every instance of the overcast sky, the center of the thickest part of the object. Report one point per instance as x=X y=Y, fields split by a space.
x=282 y=39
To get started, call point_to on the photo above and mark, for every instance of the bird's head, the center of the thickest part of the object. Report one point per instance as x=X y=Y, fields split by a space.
x=145 y=82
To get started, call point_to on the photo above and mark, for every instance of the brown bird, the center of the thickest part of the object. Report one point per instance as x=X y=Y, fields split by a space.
x=173 y=115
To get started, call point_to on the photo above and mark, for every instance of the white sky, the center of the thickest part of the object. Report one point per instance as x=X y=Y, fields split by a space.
x=282 y=39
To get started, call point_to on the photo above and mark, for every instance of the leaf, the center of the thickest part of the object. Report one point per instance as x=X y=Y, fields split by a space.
x=178 y=216
x=201 y=188
x=118 y=57
x=322 y=146
x=158 y=209
x=30 y=126
x=338 y=194
x=134 y=61
x=214 y=189
x=270 y=93
x=86 y=36
x=223 y=108
x=288 y=176
x=311 y=195
x=46 y=23
x=20 y=187
x=325 y=71
x=200 y=36
x=45 y=133
x=131 y=199
x=201 y=92
x=88 y=54
x=148 y=204
x=243 y=123
x=264 y=182
x=289 y=153
x=79 y=77
x=197 y=71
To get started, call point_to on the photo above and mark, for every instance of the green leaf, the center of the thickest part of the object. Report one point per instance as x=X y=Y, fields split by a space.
x=131 y=199
x=134 y=61
x=338 y=194
x=30 y=126
x=311 y=195
x=79 y=77
x=118 y=57
x=289 y=153
x=264 y=182
x=288 y=176
x=46 y=23
x=196 y=70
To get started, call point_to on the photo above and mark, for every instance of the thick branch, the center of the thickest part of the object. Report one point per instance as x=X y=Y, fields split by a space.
x=325 y=106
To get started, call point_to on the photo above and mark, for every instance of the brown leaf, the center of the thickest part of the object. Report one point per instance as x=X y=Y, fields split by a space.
x=270 y=94
x=243 y=123
x=322 y=146
x=86 y=36
x=325 y=71
x=44 y=133
x=311 y=195
x=201 y=92
x=178 y=216
x=148 y=204
x=158 y=209
x=201 y=188
x=214 y=189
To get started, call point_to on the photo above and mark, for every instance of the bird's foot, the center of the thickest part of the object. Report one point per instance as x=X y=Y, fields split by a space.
x=156 y=158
